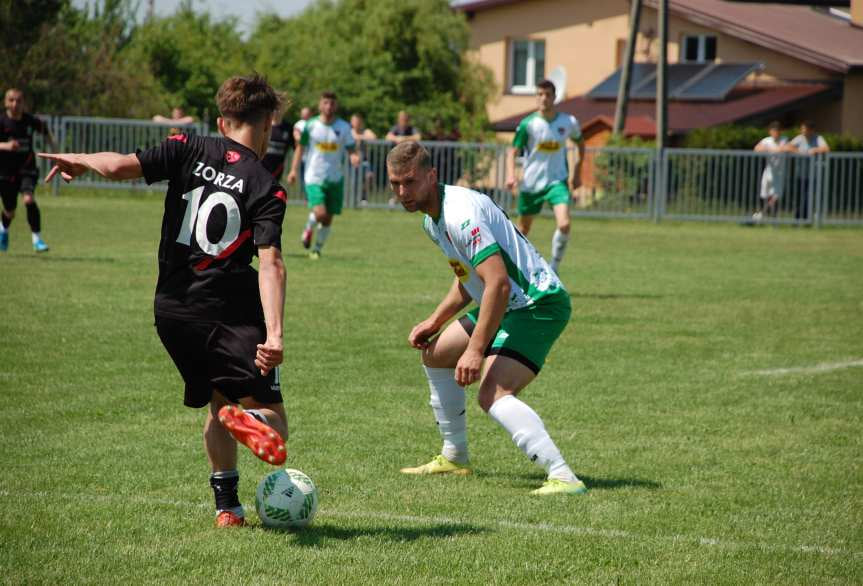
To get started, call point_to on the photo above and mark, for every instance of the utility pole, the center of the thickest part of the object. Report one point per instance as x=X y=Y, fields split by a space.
x=626 y=73
x=662 y=77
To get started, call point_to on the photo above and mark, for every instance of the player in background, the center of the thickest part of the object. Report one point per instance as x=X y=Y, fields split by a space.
x=773 y=176
x=299 y=126
x=219 y=320
x=548 y=176
x=326 y=138
x=18 y=173
x=281 y=139
x=523 y=308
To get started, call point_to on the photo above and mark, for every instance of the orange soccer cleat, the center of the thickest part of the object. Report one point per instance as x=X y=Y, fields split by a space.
x=264 y=441
x=229 y=519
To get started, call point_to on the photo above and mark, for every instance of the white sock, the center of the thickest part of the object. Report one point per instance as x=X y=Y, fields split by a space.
x=3 y=229
x=310 y=223
x=448 y=403
x=529 y=434
x=36 y=237
x=323 y=232
x=558 y=247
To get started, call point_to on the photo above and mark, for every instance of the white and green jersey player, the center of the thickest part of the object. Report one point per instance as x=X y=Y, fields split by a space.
x=471 y=227
x=323 y=144
x=523 y=308
x=548 y=177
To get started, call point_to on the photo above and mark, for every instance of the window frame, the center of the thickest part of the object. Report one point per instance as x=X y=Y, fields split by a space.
x=701 y=48
x=530 y=66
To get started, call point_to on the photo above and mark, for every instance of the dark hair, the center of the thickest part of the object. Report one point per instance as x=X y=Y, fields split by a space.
x=808 y=124
x=408 y=154
x=328 y=96
x=547 y=84
x=775 y=125
x=248 y=99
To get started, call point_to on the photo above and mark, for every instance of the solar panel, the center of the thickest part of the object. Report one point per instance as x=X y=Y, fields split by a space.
x=678 y=75
x=686 y=81
x=718 y=82
x=607 y=89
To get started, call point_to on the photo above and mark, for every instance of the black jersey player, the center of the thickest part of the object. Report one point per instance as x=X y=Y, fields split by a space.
x=220 y=321
x=18 y=173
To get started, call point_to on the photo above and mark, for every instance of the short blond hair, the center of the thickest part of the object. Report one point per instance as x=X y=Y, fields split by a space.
x=407 y=154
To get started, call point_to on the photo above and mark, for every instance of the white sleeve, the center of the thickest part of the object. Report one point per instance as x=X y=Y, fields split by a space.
x=471 y=234
x=575 y=134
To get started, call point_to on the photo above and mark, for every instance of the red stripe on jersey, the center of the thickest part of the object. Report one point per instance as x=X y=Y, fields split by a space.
x=282 y=196
x=179 y=137
x=242 y=237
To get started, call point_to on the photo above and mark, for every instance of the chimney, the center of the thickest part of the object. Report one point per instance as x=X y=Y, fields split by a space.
x=857 y=13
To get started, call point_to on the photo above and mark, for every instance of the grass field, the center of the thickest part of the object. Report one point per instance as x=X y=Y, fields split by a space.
x=707 y=462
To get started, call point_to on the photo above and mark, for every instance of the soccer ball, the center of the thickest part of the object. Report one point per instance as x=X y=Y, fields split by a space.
x=286 y=499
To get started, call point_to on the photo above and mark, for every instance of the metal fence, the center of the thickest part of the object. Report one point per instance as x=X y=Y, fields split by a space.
x=674 y=184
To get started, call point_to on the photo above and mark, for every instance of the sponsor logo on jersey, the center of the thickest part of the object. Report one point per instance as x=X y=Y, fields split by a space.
x=548 y=146
x=179 y=137
x=232 y=157
x=328 y=147
x=223 y=180
x=460 y=270
x=465 y=224
x=282 y=196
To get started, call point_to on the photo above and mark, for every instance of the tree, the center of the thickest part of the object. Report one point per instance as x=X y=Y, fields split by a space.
x=379 y=56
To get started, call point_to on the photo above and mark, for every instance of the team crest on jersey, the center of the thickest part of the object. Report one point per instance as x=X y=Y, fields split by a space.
x=179 y=137
x=232 y=157
x=549 y=146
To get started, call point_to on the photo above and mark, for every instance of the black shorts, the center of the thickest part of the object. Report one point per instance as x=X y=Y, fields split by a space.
x=212 y=356
x=10 y=187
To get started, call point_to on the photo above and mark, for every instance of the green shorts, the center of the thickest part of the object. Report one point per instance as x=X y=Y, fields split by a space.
x=530 y=203
x=527 y=335
x=331 y=195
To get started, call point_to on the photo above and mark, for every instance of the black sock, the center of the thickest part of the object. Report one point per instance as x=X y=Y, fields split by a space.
x=224 y=485
x=34 y=218
x=5 y=219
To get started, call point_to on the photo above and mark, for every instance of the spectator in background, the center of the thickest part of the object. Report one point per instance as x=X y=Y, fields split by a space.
x=808 y=142
x=299 y=126
x=403 y=130
x=361 y=170
x=18 y=172
x=773 y=177
x=281 y=139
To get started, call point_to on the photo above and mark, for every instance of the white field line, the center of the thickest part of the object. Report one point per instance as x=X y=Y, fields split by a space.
x=818 y=368
x=6 y=495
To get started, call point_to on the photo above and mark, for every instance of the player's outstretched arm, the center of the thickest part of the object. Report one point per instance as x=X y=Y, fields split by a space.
x=457 y=298
x=575 y=168
x=295 y=163
x=510 y=168
x=110 y=165
x=271 y=279
x=492 y=308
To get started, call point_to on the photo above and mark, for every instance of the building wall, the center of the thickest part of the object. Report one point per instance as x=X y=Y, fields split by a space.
x=581 y=36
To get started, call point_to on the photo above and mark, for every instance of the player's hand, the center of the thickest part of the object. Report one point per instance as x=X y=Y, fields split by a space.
x=469 y=367
x=419 y=336
x=574 y=183
x=355 y=159
x=292 y=177
x=11 y=145
x=269 y=355
x=68 y=165
x=510 y=183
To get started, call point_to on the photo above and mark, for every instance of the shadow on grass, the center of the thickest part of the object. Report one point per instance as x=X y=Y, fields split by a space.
x=318 y=535
x=535 y=479
x=613 y=296
x=616 y=483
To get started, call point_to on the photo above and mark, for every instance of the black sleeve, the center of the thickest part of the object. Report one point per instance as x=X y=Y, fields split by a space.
x=35 y=123
x=267 y=213
x=163 y=160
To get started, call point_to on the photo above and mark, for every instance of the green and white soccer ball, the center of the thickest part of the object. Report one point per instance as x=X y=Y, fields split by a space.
x=286 y=499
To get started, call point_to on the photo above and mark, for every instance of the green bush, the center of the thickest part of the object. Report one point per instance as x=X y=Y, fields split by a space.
x=746 y=137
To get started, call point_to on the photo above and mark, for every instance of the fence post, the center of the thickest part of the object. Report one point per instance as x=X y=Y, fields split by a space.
x=659 y=184
x=821 y=178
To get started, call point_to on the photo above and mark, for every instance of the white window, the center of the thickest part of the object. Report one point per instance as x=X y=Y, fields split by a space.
x=526 y=65
x=698 y=49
